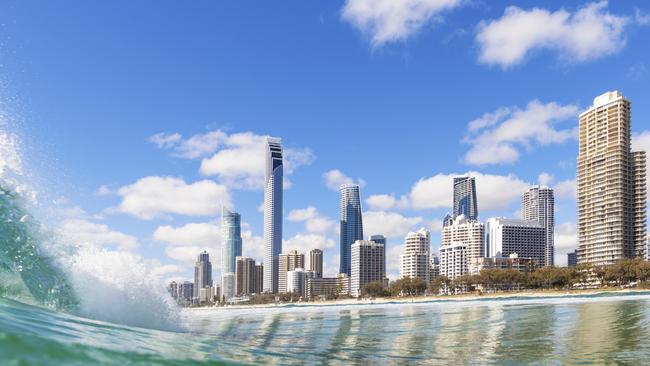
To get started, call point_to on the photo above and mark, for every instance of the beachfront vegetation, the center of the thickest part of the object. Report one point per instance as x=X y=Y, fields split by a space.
x=624 y=273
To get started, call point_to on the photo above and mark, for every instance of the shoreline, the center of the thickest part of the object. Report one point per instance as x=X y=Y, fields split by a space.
x=536 y=294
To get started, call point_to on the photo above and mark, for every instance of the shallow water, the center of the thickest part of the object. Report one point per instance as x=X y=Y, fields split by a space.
x=595 y=329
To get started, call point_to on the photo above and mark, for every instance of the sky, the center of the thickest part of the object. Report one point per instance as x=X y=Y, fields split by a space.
x=138 y=120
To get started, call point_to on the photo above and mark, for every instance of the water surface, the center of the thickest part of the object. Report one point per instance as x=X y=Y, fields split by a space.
x=595 y=329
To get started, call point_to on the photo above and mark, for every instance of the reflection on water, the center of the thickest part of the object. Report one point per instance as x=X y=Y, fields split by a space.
x=609 y=330
x=580 y=330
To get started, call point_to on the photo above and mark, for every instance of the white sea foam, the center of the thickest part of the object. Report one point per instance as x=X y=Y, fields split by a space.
x=119 y=287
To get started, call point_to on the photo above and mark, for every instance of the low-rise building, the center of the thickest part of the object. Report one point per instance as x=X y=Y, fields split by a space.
x=512 y=262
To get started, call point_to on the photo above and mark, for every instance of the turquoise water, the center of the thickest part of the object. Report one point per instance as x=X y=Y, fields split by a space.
x=578 y=330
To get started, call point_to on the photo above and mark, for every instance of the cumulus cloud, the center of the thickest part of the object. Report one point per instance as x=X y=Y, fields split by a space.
x=314 y=221
x=495 y=192
x=641 y=141
x=390 y=224
x=237 y=160
x=589 y=33
x=386 y=21
x=566 y=241
x=566 y=189
x=497 y=138
x=89 y=234
x=384 y=202
x=165 y=141
x=335 y=178
x=153 y=197
x=199 y=234
x=305 y=242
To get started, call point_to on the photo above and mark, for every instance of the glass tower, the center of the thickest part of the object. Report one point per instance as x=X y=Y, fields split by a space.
x=202 y=273
x=351 y=224
x=231 y=243
x=272 y=213
x=465 y=198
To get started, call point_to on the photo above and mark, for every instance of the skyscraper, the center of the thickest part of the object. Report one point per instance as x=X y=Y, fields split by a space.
x=468 y=232
x=316 y=262
x=504 y=237
x=415 y=258
x=202 y=273
x=465 y=202
x=244 y=276
x=288 y=262
x=272 y=213
x=351 y=224
x=231 y=243
x=538 y=204
x=368 y=265
x=611 y=184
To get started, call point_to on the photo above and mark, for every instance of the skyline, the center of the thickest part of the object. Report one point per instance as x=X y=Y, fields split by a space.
x=436 y=130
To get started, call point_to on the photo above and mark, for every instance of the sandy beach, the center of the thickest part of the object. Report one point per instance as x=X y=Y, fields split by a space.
x=424 y=299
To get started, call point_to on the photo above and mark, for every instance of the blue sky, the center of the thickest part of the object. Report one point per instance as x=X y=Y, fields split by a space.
x=138 y=120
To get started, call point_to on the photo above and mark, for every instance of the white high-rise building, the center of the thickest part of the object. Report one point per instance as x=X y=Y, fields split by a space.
x=454 y=260
x=272 y=213
x=611 y=184
x=538 y=204
x=415 y=259
x=469 y=232
x=368 y=265
x=526 y=238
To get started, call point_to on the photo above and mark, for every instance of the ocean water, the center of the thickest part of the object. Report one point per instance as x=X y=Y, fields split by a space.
x=610 y=329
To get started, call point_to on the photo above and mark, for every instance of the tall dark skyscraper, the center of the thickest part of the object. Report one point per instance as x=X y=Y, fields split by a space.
x=272 y=213
x=465 y=202
x=351 y=224
x=202 y=273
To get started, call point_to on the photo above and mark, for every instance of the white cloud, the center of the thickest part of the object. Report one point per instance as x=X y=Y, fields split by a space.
x=588 y=33
x=393 y=20
x=641 y=141
x=390 y=224
x=90 y=234
x=335 y=178
x=566 y=241
x=303 y=214
x=641 y=18
x=314 y=221
x=495 y=192
x=198 y=234
x=252 y=245
x=303 y=243
x=187 y=255
x=392 y=261
x=103 y=191
x=152 y=197
x=165 y=141
x=384 y=202
x=238 y=160
x=545 y=179
x=566 y=189
x=510 y=129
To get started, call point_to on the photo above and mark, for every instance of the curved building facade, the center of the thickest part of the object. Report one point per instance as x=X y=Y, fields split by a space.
x=231 y=243
x=272 y=213
x=351 y=224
